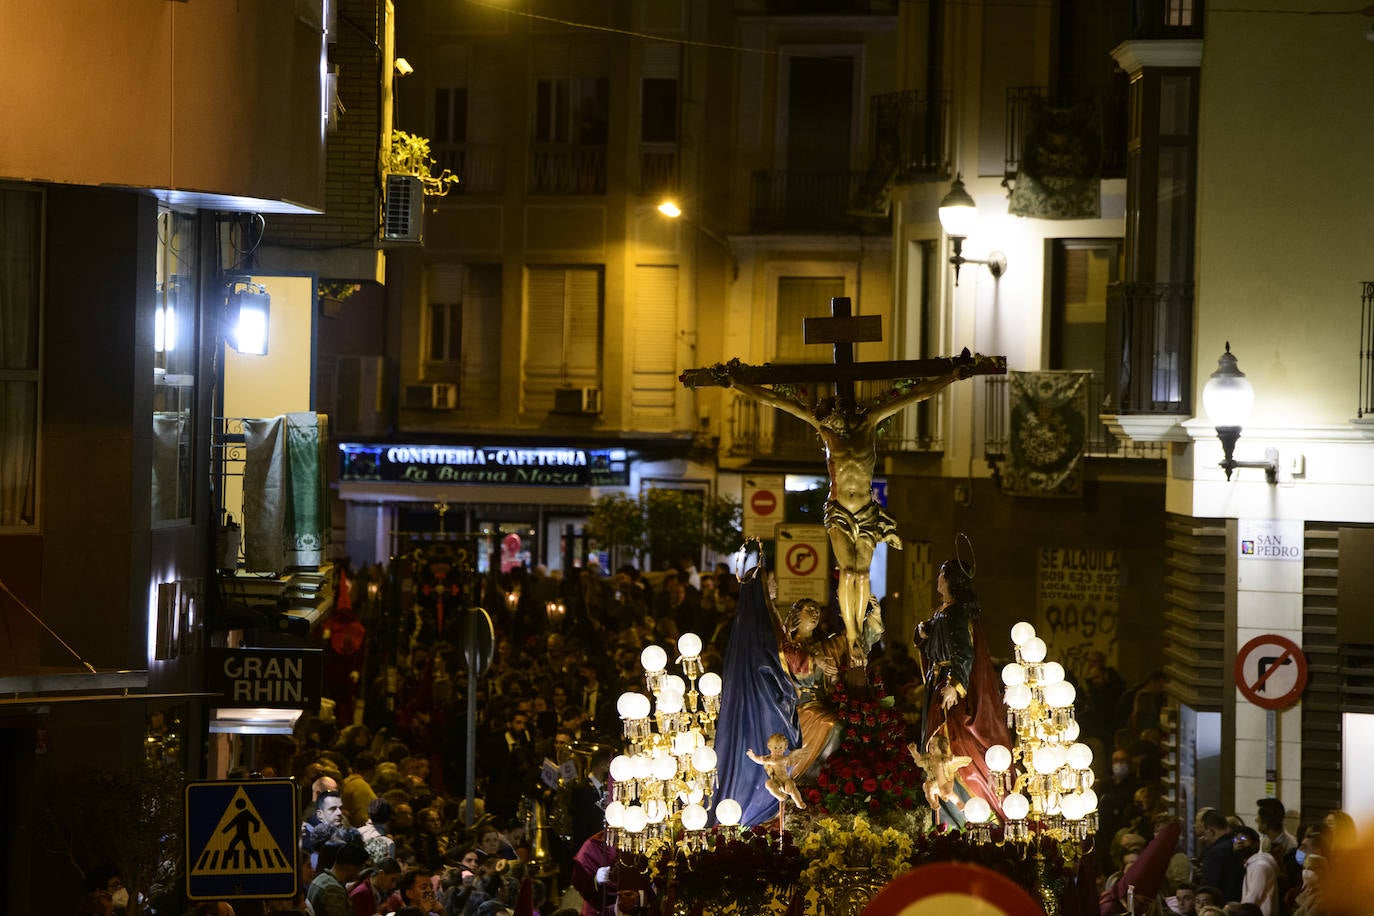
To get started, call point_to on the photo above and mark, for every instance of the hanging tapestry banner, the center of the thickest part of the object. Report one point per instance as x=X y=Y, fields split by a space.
x=1061 y=161
x=1049 y=423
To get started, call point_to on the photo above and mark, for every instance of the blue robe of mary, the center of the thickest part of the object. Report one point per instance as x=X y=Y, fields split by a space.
x=758 y=699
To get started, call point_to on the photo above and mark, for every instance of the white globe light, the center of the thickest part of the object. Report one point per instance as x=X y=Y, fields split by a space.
x=703 y=759
x=977 y=810
x=641 y=705
x=1052 y=673
x=710 y=684
x=1021 y=633
x=1016 y=806
x=1080 y=756
x=622 y=769
x=665 y=767
x=643 y=766
x=1070 y=732
x=1089 y=801
x=728 y=812
x=625 y=705
x=1058 y=696
x=689 y=645
x=635 y=819
x=1018 y=697
x=1071 y=806
x=1033 y=650
x=1044 y=759
x=675 y=683
x=692 y=796
x=1013 y=674
x=998 y=758
x=693 y=817
x=615 y=814
x=670 y=701
x=653 y=658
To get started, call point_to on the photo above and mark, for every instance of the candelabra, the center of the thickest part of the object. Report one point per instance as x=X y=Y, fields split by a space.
x=1044 y=781
x=664 y=780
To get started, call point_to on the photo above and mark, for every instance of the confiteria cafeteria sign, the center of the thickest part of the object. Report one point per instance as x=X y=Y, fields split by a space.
x=565 y=467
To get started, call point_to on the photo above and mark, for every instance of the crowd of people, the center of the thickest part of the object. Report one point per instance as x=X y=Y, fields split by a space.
x=387 y=826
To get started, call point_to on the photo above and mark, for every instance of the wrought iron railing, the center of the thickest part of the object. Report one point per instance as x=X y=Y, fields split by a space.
x=1150 y=333
x=480 y=167
x=557 y=168
x=1098 y=443
x=909 y=132
x=1366 y=404
x=1111 y=110
x=806 y=200
x=658 y=168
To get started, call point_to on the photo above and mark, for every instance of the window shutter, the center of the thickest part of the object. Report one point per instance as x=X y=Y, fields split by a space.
x=798 y=298
x=654 y=386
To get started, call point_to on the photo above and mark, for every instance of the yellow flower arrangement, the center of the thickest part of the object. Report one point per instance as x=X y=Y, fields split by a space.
x=832 y=845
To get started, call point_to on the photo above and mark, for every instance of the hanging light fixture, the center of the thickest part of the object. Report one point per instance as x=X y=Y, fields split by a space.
x=1227 y=398
x=958 y=215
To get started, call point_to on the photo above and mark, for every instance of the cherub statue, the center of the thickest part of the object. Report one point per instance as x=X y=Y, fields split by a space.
x=940 y=767
x=778 y=767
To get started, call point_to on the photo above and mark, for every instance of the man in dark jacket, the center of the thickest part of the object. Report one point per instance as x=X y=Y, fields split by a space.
x=1221 y=867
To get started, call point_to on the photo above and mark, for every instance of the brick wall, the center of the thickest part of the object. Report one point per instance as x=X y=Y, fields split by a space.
x=351 y=193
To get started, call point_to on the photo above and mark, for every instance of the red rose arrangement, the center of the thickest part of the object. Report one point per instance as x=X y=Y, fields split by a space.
x=871 y=771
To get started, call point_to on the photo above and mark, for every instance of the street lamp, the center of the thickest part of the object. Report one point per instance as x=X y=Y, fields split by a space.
x=958 y=213
x=1227 y=398
x=669 y=208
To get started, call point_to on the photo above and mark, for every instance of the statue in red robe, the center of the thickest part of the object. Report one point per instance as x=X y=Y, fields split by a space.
x=965 y=692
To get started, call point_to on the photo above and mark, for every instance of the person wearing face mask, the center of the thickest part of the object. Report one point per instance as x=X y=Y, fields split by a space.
x=107 y=880
x=1115 y=806
x=1308 y=902
x=1261 y=883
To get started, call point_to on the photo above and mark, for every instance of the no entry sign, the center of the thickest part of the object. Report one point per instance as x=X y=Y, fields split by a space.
x=1271 y=671
x=762 y=505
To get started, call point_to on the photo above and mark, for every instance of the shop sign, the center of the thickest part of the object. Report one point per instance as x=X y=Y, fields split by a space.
x=1077 y=602
x=273 y=678
x=496 y=465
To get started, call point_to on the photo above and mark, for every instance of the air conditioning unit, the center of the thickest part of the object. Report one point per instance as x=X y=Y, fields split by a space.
x=403 y=213
x=577 y=400
x=437 y=396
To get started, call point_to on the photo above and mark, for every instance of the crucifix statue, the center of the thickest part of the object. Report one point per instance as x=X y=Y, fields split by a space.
x=854 y=522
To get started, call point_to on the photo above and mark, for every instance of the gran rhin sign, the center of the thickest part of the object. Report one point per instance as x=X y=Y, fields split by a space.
x=501 y=465
x=275 y=678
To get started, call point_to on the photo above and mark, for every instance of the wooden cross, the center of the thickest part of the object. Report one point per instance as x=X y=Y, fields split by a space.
x=842 y=329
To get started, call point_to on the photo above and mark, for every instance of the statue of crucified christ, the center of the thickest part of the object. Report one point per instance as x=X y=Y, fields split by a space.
x=854 y=522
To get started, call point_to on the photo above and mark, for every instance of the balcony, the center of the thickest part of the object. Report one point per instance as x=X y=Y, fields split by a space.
x=909 y=134
x=1150 y=333
x=761 y=432
x=658 y=168
x=810 y=201
x=560 y=168
x=479 y=166
x=1099 y=442
x=1021 y=100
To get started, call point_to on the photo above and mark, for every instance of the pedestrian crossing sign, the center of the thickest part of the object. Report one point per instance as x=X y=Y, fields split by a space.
x=241 y=839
